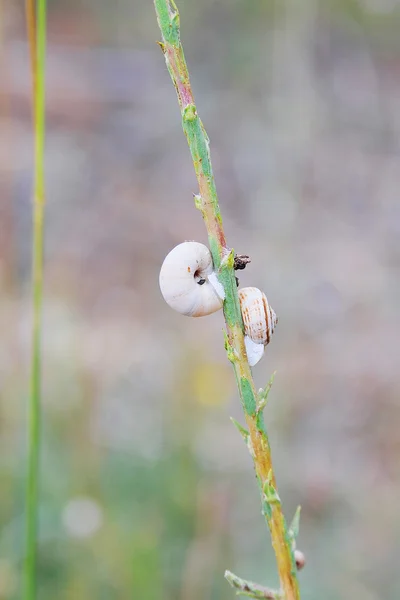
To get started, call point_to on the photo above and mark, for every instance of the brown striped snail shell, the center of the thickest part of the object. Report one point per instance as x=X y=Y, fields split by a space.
x=259 y=321
x=188 y=282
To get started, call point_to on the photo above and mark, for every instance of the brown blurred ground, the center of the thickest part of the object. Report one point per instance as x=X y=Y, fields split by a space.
x=148 y=491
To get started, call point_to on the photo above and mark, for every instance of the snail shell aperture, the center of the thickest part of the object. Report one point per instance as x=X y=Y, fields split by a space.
x=188 y=282
x=259 y=322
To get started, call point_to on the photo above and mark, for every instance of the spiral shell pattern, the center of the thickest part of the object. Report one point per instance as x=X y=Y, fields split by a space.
x=258 y=317
x=188 y=282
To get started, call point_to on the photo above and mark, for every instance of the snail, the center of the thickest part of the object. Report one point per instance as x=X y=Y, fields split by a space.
x=188 y=281
x=259 y=322
x=190 y=286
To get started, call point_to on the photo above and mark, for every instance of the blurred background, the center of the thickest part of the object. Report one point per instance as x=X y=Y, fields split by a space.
x=147 y=490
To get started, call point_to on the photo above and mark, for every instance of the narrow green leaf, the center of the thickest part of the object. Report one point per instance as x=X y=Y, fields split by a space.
x=228 y=260
x=263 y=392
x=243 y=432
x=295 y=524
x=270 y=493
x=249 y=400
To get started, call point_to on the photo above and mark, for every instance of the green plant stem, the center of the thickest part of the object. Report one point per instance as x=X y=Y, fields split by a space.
x=207 y=203
x=37 y=42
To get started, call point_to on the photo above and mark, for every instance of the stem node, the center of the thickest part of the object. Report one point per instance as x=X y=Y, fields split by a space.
x=189 y=113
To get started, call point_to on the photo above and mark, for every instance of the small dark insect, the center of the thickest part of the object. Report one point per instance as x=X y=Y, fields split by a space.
x=240 y=261
x=201 y=281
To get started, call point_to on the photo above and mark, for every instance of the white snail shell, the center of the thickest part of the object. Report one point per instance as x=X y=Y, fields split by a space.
x=188 y=282
x=259 y=322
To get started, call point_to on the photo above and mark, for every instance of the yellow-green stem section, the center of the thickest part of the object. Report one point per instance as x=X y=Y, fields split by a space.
x=207 y=201
x=37 y=39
